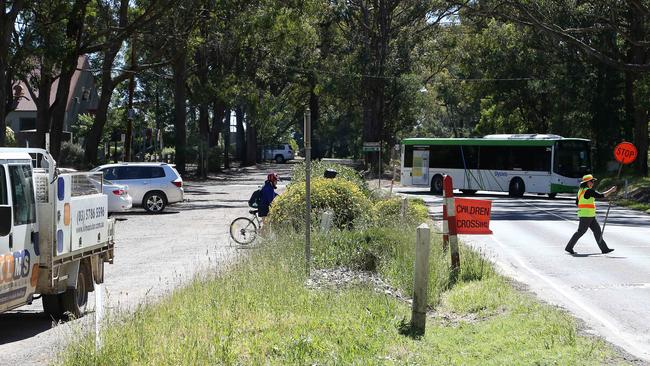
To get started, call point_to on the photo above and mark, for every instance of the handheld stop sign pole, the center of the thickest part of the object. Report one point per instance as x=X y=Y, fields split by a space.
x=625 y=153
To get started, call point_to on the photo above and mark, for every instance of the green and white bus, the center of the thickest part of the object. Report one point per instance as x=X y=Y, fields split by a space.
x=546 y=164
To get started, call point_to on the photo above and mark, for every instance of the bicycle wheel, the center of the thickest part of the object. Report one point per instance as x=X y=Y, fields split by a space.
x=243 y=230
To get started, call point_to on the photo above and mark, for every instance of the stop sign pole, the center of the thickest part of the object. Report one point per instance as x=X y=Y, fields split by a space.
x=625 y=153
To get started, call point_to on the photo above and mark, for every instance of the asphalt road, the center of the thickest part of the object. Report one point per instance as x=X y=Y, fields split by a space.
x=154 y=254
x=611 y=293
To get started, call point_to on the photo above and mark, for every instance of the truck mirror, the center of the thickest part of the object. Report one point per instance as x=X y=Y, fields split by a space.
x=5 y=220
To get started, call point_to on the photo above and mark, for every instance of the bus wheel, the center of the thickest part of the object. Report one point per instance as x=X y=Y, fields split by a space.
x=552 y=195
x=468 y=191
x=517 y=187
x=436 y=184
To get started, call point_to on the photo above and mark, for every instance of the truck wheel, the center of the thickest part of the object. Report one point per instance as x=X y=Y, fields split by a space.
x=154 y=202
x=74 y=301
x=517 y=187
x=279 y=159
x=52 y=306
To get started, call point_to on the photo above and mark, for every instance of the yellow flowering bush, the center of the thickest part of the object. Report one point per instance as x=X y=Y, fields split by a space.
x=343 y=197
x=388 y=211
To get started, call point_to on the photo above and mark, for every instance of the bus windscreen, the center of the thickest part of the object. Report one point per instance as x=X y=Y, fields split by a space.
x=572 y=159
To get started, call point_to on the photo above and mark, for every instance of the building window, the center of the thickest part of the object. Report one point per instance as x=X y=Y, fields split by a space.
x=27 y=124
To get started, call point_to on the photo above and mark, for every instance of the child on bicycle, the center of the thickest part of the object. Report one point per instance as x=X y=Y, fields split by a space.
x=268 y=195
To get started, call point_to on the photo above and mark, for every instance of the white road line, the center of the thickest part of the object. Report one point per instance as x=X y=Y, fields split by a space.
x=635 y=347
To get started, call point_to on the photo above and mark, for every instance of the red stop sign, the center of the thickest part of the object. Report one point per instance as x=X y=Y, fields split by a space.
x=625 y=153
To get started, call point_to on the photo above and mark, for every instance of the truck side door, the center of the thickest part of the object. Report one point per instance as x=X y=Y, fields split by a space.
x=21 y=185
x=5 y=213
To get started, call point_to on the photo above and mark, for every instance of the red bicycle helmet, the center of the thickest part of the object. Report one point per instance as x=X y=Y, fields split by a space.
x=273 y=178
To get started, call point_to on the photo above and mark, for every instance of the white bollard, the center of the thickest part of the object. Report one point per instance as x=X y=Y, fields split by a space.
x=421 y=281
x=99 y=315
x=326 y=219
x=403 y=208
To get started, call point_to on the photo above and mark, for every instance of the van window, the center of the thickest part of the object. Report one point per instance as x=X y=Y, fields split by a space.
x=4 y=200
x=22 y=192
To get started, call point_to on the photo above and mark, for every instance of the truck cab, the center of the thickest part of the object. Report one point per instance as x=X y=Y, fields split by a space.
x=18 y=230
x=55 y=234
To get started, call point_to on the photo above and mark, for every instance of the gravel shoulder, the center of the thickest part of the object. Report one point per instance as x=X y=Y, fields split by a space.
x=154 y=254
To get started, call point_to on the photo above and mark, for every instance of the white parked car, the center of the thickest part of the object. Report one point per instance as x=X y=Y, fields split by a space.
x=151 y=185
x=279 y=153
x=119 y=199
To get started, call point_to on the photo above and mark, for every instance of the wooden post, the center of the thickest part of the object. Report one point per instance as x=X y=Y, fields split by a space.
x=421 y=280
x=449 y=225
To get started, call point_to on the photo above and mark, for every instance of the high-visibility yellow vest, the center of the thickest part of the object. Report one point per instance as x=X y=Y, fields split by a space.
x=586 y=207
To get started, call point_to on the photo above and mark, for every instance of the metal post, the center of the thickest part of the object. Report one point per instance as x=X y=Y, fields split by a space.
x=609 y=205
x=307 y=137
x=421 y=280
x=379 y=167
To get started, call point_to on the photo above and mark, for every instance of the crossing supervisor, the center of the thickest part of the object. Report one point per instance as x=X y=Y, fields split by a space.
x=586 y=202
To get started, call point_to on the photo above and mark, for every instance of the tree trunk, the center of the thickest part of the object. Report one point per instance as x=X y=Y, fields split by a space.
x=251 y=145
x=241 y=135
x=7 y=24
x=204 y=136
x=179 y=67
x=43 y=112
x=226 y=139
x=59 y=108
x=218 y=111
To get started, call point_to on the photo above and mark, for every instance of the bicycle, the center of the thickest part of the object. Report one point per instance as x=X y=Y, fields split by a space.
x=244 y=230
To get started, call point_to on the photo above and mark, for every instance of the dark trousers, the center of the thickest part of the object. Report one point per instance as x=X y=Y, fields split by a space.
x=591 y=223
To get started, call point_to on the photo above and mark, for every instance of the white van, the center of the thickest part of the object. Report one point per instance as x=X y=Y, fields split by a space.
x=280 y=153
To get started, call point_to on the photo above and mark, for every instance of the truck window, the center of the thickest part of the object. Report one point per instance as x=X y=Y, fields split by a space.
x=4 y=200
x=22 y=192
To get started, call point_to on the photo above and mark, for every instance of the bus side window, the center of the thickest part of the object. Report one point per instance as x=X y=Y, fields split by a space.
x=408 y=156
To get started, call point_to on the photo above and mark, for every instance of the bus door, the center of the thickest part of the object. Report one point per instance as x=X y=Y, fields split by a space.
x=420 y=166
x=5 y=214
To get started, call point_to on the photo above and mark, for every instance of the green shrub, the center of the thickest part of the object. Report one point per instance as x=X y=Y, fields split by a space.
x=388 y=211
x=318 y=170
x=71 y=156
x=344 y=198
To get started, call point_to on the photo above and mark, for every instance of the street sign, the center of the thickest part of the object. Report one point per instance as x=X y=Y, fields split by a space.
x=371 y=146
x=473 y=216
x=625 y=153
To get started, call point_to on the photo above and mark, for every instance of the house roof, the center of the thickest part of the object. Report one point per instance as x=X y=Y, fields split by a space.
x=29 y=105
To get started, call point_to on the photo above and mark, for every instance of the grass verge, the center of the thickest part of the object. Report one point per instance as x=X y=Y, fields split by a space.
x=261 y=312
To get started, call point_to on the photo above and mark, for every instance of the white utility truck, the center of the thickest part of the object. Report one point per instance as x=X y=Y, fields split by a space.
x=55 y=234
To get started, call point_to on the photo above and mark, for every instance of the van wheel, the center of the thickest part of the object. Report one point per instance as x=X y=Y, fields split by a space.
x=517 y=187
x=74 y=300
x=154 y=202
x=436 y=184
x=279 y=159
x=52 y=306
